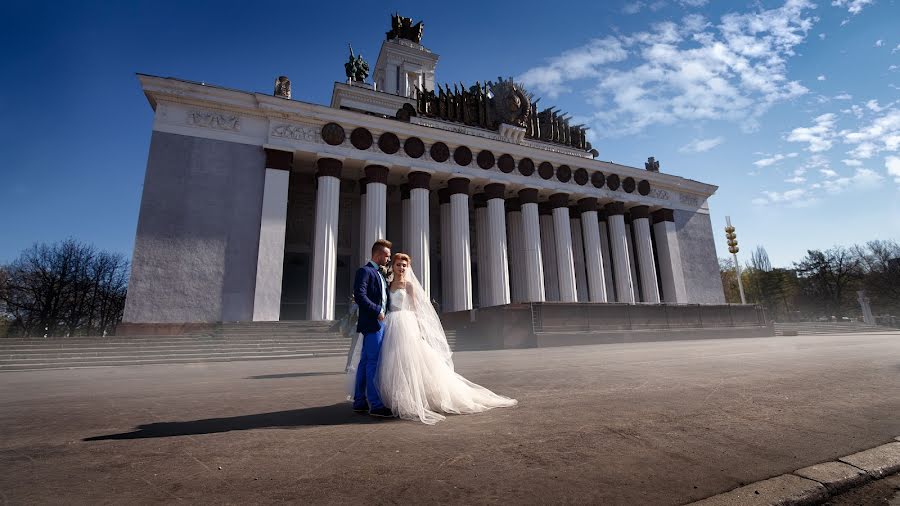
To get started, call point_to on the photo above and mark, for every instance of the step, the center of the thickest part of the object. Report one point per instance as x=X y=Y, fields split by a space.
x=81 y=365
x=159 y=356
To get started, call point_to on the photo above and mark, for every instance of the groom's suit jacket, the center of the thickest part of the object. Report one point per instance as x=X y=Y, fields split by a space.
x=367 y=293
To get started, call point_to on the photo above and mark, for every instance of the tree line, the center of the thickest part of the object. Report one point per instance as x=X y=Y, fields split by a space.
x=63 y=289
x=824 y=283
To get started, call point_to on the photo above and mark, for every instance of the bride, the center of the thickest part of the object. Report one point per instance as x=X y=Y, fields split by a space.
x=415 y=373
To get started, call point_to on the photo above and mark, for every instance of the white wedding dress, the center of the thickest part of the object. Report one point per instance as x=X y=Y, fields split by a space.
x=415 y=375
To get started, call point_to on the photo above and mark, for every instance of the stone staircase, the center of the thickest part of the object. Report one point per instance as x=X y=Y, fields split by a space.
x=227 y=342
x=821 y=328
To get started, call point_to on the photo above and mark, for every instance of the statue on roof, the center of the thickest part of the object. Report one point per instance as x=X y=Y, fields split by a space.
x=357 y=69
x=404 y=29
x=652 y=164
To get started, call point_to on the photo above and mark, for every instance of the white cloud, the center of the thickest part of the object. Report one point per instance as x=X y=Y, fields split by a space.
x=796 y=180
x=820 y=136
x=862 y=179
x=680 y=72
x=822 y=36
x=701 y=145
x=892 y=164
x=881 y=134
x=895 y=49
x=879 y=43
x=820 y=78
x=693 y=3
x=766 y=162
x=632 y=8
x=873 y=106
x=853 y=6
x=852 y=163
x=844 y=96
x=828 y=173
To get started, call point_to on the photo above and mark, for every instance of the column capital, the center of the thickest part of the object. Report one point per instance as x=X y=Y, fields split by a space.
x=444 y=196
x=513 y=205
x=404 y=192
x=494 y=191
x=480 y=200
x=362 y=185
x=329 y=167
x=330 y=155
x=638 y=212
x=558 y=200
x=418 y=179
x=376 y=174
x=458 y=185
x=663 y=215
x=615 y=208
x=278 y=159
x=587 y=204
x=528 y=196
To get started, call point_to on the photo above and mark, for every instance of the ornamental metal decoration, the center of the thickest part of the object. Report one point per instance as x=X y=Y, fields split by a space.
x=402 y=28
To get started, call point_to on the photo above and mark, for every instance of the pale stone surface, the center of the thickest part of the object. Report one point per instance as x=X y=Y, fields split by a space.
x=565 y=263
x=532 y=266
x=670 y=271
x=700 y=263
x=836 y=476
x=548 y=258
x=879 y=461
x=644 y=253
x=619 y=250
x=497 y=254
x=270 y=259
x=784 y=489
x=460 y=245
x=420 y=236
x=324 y=254
x=197 y=239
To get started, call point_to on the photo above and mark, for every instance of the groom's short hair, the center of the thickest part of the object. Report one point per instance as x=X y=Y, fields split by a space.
x=381 y=243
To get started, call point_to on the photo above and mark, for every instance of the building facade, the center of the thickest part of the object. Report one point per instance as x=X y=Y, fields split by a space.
x=260 y=207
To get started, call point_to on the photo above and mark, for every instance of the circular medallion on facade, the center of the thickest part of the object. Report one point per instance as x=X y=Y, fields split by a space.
x=581 y=176
x=598 y=179
x=414 y=147
x=388 y=143
x=462 y=156
x=333 y=134
x=644 y=187
x=361 y=138
x=526 y=167
x=628 y=184
x=439 y=152
x=545 y=170
x=506 y=163
x=485 y=159
x=510 y=103
x=564 y=173
x=612 y=182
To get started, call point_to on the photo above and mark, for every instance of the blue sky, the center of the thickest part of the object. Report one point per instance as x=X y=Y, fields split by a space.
x=791 y=108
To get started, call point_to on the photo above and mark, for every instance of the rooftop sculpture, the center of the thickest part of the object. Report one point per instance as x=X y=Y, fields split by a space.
x=404 y=29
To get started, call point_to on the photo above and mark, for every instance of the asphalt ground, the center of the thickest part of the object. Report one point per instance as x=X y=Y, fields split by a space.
x=642 y=423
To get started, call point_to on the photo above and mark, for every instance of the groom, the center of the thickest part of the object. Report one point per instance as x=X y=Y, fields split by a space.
x=373 y=298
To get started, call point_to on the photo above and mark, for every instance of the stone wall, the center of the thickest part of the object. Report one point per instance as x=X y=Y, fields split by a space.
x=198 y=232
x=698 y=256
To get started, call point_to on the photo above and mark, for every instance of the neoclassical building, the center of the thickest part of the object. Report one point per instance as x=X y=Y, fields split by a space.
x=260 y=207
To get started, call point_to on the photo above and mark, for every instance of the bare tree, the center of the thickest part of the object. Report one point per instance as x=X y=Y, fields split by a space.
x=830 y=277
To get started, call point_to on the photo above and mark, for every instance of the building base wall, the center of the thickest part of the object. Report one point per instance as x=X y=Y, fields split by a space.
x=198 y=232
x=700 y=265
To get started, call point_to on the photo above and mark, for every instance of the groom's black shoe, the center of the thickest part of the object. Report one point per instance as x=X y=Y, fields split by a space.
x=381 y=413
x=361 y=410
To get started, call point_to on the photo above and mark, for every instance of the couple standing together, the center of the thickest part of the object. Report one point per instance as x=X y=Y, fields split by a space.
x=404 y=366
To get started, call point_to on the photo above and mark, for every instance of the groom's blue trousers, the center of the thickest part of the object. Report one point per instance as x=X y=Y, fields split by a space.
x=365 y=371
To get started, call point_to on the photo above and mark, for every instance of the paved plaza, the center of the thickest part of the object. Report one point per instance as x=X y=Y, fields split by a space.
x=643 y=423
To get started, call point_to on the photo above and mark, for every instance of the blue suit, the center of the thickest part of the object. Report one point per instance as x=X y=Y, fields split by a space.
x=372 y=295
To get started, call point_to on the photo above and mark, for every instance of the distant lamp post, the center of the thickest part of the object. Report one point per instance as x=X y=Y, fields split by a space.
x=733 y=249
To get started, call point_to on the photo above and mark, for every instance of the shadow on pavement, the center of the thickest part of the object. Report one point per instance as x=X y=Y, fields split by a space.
x=336 y=414
x=296 y=375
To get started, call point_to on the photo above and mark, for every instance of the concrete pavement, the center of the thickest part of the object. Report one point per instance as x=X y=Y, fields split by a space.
x=643 y=423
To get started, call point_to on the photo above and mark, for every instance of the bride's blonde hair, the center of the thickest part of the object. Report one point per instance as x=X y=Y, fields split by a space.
x=402 y=256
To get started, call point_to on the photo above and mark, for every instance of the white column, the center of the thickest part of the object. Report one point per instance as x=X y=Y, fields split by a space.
x=459 y=242
x=593 y=259
x=376 y=205
x=533 y=270
x=564 y=260
x=632 y=263
x=516 y=251
x=270 y=256
x=671 y=272
x=446 y=251
x=324 y=254
x=404 y=217
x=419 y=228
x=548 y=255
x=607 y=261
x=581 y=285
x=497 y=252
x=640 y=221
x=365 y=250
x=618 y=241
x=484 y=273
